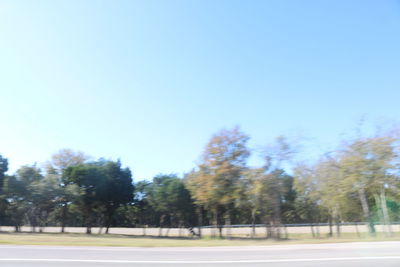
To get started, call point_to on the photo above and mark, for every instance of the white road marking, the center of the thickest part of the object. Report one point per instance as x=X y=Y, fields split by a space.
x=203 y=262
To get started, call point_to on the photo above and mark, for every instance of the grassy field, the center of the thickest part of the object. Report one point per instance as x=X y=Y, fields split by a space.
x=130 y=241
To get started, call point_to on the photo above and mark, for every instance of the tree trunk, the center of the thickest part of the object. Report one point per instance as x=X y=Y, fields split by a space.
x=366 y=211
x=107 y=229
x=268 y=227
x=200 y=219
x=337 y=220
x=385 y=212
x=180 y=226
x=161 y=223
x=317 y=227
x=215 y=223
x=276 y=220
x=337 y=228
x=220 y=235
x=253 y=223
x=88 y=221
x=108 y=223
x=63 y=217
x=169 y=225
x=357 y=231
x=312 y=230
x=330 y=226
x=109 y=216
x=218 y=224
x=379 y=210
x=285 y=231
x=228 y=224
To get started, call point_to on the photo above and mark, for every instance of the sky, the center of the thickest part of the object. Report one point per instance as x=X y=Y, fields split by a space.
x=149 y=82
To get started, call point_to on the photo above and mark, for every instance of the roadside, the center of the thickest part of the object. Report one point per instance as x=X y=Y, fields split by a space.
x=134 y=241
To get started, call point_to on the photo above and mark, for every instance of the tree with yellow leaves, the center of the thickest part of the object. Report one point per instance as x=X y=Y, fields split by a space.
x=215 y=184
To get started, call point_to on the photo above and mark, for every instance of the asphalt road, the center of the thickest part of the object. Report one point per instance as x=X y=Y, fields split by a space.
x=340 y=254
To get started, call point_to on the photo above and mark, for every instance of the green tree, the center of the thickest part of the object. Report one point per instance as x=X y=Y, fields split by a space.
x=104 y=187
x=169 y=197
x=15 y=191
x=3 y=170
x=115 y=190
x=308 y=197
x=88 y=178
x=273 y=187
x=30 y=176
x=3 y=201
x=45 y=194
x=142 y=203
x=59 y=162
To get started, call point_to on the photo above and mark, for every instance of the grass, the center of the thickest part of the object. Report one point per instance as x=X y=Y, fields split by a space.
x=133 y=241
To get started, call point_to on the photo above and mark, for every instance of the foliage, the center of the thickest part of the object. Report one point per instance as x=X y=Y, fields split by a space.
x=360 y=181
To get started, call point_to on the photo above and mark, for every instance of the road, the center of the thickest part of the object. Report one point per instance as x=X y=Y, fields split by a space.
x=339 y=254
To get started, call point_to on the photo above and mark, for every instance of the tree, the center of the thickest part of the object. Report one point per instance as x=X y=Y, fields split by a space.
x=115 y=190
x=289 y=195
x=216 y=183
x=308 y=196
x=252 y=191
x=59 y=162
x=321 y=185
x=88 y=178
x=65 y=158
x=29 y=177
x=45 y=194
x=142 y=203
x=3 y=202
x=272 y=182
x=3 y=170
x=169 y=197
x=15 y=192
x=369 y=167
x=104 y=187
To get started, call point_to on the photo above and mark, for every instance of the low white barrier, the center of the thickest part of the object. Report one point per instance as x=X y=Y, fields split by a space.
x=234 y=231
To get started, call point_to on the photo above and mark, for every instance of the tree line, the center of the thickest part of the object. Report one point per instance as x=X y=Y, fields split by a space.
x=359 y=181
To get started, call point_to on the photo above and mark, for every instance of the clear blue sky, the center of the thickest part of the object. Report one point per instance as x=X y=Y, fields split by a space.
x=150 y=81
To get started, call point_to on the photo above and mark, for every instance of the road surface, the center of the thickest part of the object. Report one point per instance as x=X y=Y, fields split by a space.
x=366 y=254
